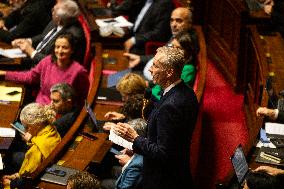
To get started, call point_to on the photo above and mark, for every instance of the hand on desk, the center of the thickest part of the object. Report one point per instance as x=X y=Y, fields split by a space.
x=270 y=170
x=134 y=59
x=25 y=45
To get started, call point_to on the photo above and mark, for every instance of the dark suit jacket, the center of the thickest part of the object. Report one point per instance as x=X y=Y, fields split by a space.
x=155 y=25
x=166 y=150
x=74 y=28
x=30 y=20
x=277 y=16
x=280 y=117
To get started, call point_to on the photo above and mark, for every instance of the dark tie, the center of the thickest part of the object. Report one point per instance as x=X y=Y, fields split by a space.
x=46 y=39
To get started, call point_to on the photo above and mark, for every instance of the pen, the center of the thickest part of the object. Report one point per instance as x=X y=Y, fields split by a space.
x=5 y=102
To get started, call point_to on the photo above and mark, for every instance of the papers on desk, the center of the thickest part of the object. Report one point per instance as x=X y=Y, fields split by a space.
x=6 y=98
x=271 y=129
x=7 y=132
x=274 y=128
x=12 y=53
x=119 y=21
x=119 y=140
x=114 y=26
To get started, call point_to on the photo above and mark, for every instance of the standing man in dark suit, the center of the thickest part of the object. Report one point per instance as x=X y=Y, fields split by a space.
x=151 y=19
x=28 y=20
x=166 y=150
x=64 y=20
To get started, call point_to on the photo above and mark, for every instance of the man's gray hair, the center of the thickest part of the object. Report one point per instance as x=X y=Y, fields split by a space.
x=139 y=125
x=68 y=10
x=171 y=58
x=65 y=90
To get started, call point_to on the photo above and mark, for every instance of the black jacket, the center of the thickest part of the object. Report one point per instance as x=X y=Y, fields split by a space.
x=29 y=20
x=166 y=150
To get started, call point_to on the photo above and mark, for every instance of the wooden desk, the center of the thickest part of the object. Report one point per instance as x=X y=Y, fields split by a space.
x=259 y=67
x=111 y=41
x=9 y=113
x=7 y=63
x=82 y=156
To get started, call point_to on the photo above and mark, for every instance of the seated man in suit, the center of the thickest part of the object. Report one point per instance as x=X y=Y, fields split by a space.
x=63 y=103
x=166 y=148
x=130 y=174
x=62 y=97
x=26 y=21
x=181 y=21
x=151 y=22
x=64 y=20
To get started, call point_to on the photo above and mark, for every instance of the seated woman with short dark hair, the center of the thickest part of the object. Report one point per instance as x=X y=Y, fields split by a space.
x=56 y=68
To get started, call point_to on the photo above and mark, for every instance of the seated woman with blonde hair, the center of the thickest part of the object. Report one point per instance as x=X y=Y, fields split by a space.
x=41 y=137
x=128 y=86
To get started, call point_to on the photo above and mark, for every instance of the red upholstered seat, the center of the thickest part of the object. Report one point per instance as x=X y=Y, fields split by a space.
x=87 y=33
x=177 y=3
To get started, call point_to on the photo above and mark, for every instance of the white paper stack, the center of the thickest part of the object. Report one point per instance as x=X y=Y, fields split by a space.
x=119 y=140
x=7 y=132
x=12 y=53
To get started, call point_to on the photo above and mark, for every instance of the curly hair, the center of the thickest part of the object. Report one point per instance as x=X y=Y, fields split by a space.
x=131 y=84
x=132 y=108
x=84 y=180
x=37 y=114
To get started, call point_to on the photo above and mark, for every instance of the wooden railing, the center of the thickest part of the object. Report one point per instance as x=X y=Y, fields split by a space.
x=200 y=78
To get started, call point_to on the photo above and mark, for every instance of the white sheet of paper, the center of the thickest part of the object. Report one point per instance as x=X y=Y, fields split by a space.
x=13 y=53
x=119 y=21
x=7 y=132
x=4 y=90
x=119 y=140
x=274 y=128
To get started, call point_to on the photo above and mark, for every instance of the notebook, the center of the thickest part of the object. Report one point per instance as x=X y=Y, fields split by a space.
x=62 y=180
x=240 y=165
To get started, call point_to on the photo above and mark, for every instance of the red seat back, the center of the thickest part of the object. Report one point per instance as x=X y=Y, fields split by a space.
x=152 y=46
x=177 y=3
x=87 y=33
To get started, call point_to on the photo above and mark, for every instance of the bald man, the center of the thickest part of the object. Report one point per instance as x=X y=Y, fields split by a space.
x=181 y=21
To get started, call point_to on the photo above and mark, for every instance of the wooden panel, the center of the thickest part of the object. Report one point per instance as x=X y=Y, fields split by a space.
x=223 y=25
